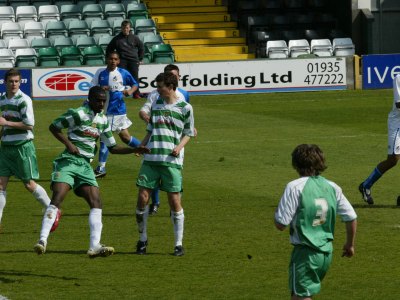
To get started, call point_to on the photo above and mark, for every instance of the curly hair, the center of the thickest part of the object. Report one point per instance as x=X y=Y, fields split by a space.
x=308 y=160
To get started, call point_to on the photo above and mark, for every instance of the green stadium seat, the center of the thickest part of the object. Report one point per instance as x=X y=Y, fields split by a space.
x=48 y=57
x=151 y=39
x=145 y=25
x=138 y=10
x=114 y=11
x=100 y=28
x=69 y=12
x=40 y=43
x=93 y=56
x=71 y=56
x=85 y=41
x=62 y=42
x=25 y=58
x=162 y=54
x=78 y=28
x=103 y=42
x=91 y=12
x=56 y=29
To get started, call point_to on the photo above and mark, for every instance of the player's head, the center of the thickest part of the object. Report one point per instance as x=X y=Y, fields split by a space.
x=113 y=60
x=166 y=82
x=308 y=160
x=12 y=79
x=125 y=27
x=172 y=69
x=97 y=98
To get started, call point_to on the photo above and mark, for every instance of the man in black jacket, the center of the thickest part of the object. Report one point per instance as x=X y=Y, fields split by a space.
x=130 y=49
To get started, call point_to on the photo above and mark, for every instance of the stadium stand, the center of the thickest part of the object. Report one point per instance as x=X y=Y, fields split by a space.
x=34 y=30
x=321 y=47
x=7 y=58
x=93 y=56
x=15 y=44
x=298 y=47
x=71 y=56
x=40 y=43
x=25 y=58
x=61 y=42
x=343 y=47
x=277 y=49
x=48 y=57
x=48 y=13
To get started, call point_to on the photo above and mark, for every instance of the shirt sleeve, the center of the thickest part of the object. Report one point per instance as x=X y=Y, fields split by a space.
x=69 y=119
x=396 y=89
x=107 y=137
x=146 y=108
x=344 y=208
x=287 y=206
x=26 y=111
x=129 y=80
x=188 y=129
x=95 y=79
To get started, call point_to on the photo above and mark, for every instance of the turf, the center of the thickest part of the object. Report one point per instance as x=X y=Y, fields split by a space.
x=235 y=172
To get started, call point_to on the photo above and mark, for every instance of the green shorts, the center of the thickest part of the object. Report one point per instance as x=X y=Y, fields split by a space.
x=166 y=178
x=307 y=268
x=20 y=161
x=73 y=170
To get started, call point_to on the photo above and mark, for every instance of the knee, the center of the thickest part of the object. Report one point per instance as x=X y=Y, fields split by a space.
x=125 y=139
x=30 y=186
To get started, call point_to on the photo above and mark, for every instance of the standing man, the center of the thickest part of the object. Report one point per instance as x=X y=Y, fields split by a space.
x=17 y=151
x=170 y=128
x=393 y=146
x=118 y=83
x=309 y=205
x=130 y=49
x=144 y=114
x=72 y=170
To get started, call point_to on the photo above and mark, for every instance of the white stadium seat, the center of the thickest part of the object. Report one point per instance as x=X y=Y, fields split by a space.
x=343 y=47
x=277 y=49
x=321 y=47
x=298 y=47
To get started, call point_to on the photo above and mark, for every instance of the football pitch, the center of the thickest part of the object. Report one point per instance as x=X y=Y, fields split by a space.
x=235 y=172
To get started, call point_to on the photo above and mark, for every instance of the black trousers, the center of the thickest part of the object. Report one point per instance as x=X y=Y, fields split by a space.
x=132 y=67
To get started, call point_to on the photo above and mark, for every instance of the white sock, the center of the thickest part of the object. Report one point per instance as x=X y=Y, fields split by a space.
x=102 y=164
x=41 y=195
x=3 y=195
x=178 y=219
x=141 y=220
x=96 y=227
x=48 y=221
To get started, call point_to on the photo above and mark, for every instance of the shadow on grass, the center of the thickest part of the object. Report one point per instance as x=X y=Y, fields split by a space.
x=27 y=274
x=374 y=206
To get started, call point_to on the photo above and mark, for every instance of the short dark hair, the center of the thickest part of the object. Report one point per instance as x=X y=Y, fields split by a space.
x=113 y=52
x=95 y=92
x=168 y=79
x=171 y=67
x=308 y=160
x=12 y=72
x=126 y=22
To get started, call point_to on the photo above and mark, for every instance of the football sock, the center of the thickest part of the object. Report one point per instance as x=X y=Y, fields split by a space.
x=155 y=198
x=96 y=227
x=48 y=221
x=373 y=177
x=134 y=142
x=178 y=218
x=103 y=154
x=141 y=220
x=40 y=194
x=3 y=195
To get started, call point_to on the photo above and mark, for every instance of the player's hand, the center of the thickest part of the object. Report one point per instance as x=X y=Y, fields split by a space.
x=176 y=152
x=106 y=87
x=3 y=121
x=71 y=148
x=348 y=250
x=142 y=150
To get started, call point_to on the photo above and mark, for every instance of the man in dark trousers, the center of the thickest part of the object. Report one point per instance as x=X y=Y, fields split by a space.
x=130 y=49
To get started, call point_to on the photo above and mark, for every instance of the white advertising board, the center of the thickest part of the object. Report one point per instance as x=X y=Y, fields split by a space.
x=230 y=77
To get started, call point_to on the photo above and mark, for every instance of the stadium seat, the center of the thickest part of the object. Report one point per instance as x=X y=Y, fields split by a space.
x=114 y=11
x=40 y=43
x=7 y=14
x=91 y=12
x=15 y=44
x=48 y=13
x=34 y=30
x=7 y=58
x=25 y=58
x=62 y=42
x=48 y=57
x=93 y=56
x=26 y=13
x=321 y=47
x=85 y=41
x=71 y=56
x=70 y=12
x=78 y=28
x=11 y=30
x=298 y=47
x=343 y=47
x=56 y=29
x=100 y=28
x=150 y=40
x=103 y=42
x=145 y=25
x=3 y=44
x=116 y=27
x=142 y=35
x=277 y=49
x=162 y=54
x=137 y=11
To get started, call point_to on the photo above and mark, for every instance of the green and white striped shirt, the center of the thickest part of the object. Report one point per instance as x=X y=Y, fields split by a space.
x=17 y=109
x=168 y=124
x=84 y=129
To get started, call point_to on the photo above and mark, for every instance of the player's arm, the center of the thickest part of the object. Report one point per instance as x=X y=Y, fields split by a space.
x=130 y=82
x=63 y=139
x=280 y=226
x=185 y=139
x=117 y=149
x=351 y=228
x=15 y=125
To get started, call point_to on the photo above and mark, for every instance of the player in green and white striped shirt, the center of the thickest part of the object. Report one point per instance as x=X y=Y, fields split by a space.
x=170 y=127
x=309 y=205
x=72 y=169
x=17 y=151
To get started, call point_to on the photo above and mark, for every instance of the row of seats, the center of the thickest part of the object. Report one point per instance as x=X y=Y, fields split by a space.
x=320 y=47
x=67 y=12
x=75 y=29
x=274 y=5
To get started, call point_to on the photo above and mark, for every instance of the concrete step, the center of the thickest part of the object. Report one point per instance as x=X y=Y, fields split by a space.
x=187 y=10
x=199 y=34
x=213 y=57
x=196 y=50
x=213 y=41
x=181 y=3
x=187 y=26
x=191 y=18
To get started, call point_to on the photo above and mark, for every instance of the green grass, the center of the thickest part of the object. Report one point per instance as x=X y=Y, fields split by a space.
x=235 y=172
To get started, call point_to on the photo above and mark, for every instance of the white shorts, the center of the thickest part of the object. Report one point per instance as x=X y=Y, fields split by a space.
x=118 y=122
x=394 y=141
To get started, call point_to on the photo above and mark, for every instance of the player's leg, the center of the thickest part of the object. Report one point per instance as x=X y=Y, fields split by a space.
x=133 y=68
x=38 y=192
x=3 y=194
x=155 y=202
x=171 y=181
x=60 y=190
x=100 y=171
